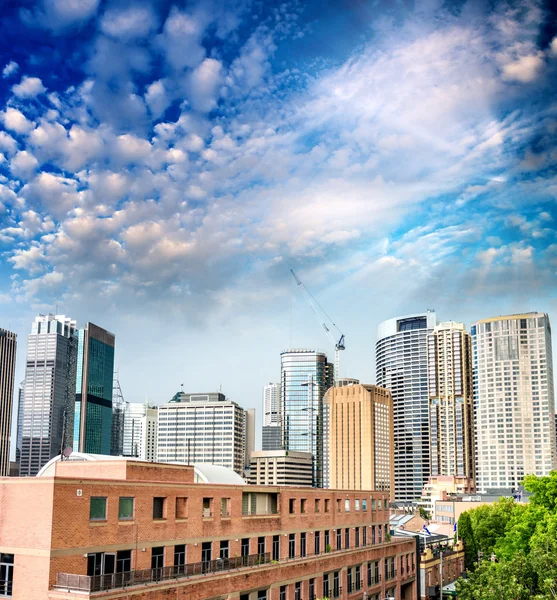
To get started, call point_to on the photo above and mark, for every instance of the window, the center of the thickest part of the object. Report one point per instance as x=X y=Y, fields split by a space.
x=358 y=577
x=207 y=507
x=291 y=506
x=347 y=505
x=225 y=507
x=317 y=542
x=291 y=545
x=276 y=547
x=224 y=549
x=339 y=539
x=180 y=557
x=336 y=584
x=262 y=595
x=303 y=503
x=245 y=547
x=125 y=509
x=298 y=590
x=327 y=505
x=181 y=508
x=364 y=535
x=357 y=537
x=282 y=593
x=364 y=504
x=327 y=541
x=317 y=505
x=7 y=574
x=261 y=545
x=97 y=508
x=123 y=561
x=349 y=580
x=302 y=544
x=338 y=505
x=159 y=508
x=373 y=534
x=356 y=504
x=326 y=585
x=312 y=589
x=157 y=557
x=347 y=538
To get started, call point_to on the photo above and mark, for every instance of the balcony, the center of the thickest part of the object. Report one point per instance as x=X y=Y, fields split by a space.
x=101 y=583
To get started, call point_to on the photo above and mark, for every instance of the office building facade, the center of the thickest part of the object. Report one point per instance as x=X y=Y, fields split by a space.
x=8 y=346
x=202 y=428
x=401 y=367
x=281 y=467
x=93 y=391
x=451 y=409
x=140 y=431
x=305 y=377
x=271 y=437
x=513 y=399
x=48 y=391
x=361 y=438
x=271 y=404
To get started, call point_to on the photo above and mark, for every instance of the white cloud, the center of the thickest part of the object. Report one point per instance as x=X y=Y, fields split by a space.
x=132 y=149
x=204 y=84
x=29 y=87
x=58 y=15
x=10 y=69
x=553 y=47
x=52 y=193
x=130 y=23
x=15 y=120
x=181 y=39
x=23 y=165
x=7 y=143
x=525 y=69
x=157 y=98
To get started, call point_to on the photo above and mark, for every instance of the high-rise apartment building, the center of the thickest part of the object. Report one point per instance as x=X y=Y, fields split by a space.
x=305 y=377
x=202 y=428
x=451 y=410
x=48 y=391
x=140 y=431
x=513 y=399
x=401 y=367
x=8 y=345
x=271 y=404
x=361 y=439
x=93 y=390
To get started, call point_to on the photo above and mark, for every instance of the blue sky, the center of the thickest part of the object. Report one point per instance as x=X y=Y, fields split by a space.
x=163 y=165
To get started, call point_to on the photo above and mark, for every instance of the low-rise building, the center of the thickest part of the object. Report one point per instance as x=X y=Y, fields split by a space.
x=443 y=486
x=281 y=467
x=109 y=528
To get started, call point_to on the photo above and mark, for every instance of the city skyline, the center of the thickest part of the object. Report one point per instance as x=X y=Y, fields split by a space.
x=270 y=148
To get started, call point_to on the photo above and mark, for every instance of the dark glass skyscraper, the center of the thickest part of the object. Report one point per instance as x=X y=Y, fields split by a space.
x=93 y=390
x=305 y=377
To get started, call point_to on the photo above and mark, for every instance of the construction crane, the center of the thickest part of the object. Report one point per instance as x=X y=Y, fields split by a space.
x=323 y=318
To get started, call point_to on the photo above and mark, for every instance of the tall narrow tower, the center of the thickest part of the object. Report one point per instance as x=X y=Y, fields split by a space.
x=48 y=391
x=8 y=344
x=401 y=365
x=93 y=391
x=451 y=401
x=514 y=399
x=305 y=377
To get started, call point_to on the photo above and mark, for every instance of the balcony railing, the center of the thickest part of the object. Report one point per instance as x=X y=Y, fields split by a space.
x=98 y=583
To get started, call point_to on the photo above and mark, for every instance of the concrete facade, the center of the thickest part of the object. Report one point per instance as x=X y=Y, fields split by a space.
x=146 y=531
x=361 y=440
x=281 y=467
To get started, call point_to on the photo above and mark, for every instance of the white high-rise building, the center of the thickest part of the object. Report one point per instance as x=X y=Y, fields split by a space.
x=271 y=404
x=401 y=367
x=513 y=399
x=140 y=431
x=48 y=391
x=202 y=428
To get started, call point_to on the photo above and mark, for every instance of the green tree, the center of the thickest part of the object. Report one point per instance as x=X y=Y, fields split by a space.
x=544 y=490
x=466 y=534
x=543 y=554
x=489 y=523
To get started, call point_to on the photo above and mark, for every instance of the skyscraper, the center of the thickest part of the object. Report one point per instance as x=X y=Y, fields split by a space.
x=48 y=392
x=305 y=377
x=513 y=399
x=401 y=367
x=451 y=401
x=8 y=344
x=361 y=440
x=140 y=431
x=271 y=404
x=93 y=390
x=202 y=428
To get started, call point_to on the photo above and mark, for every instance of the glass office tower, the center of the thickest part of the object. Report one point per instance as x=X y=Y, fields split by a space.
x=401 y=367
x=305 y=377
x=48 y=391
x=8 y=344
x=93 y=389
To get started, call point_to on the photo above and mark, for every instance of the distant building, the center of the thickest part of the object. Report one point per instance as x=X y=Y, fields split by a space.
x=281 y=467
x=361 y=446
x=118 y=412
x=305 y=377
x=8 y=346
x=271 y=404
x=202 y=428
x=441 y=486
x=271 y=437
x=514 y=399
x=93 y=394
x=402 y=368
x=250 y=435
x=451 y=401
x=140 y=431
x=48 y=391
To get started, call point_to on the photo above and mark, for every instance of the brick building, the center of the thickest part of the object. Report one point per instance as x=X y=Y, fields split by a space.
x=116 y=528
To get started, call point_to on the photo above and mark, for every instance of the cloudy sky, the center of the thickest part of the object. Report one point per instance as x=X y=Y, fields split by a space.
x=164 y=164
